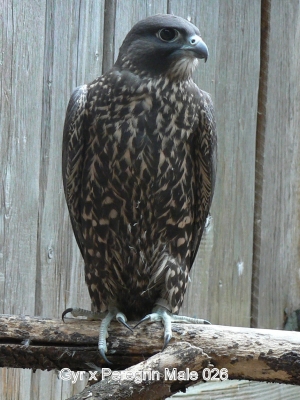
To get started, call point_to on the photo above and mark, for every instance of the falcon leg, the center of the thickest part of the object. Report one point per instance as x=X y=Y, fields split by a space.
x=103 y=334
x=162 y=314
x=106 y=318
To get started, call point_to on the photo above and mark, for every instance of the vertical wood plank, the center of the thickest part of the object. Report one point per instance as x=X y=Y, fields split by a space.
x=73 y=57
x=205 y=15
x=109 y=34
x=239 y=390
x=21 y=96
x=73 y=60
x=236 y=90
x=36 y=87
x=91 y=40
x=221 y=277
x=278 y=264
x=129 y=13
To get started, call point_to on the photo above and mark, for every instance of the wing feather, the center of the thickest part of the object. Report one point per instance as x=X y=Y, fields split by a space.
x=72 y=157
x=205 y=168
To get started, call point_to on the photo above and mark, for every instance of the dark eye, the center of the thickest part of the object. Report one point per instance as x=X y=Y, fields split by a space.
x=168 y=34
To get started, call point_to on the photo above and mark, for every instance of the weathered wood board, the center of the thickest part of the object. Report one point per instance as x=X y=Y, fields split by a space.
x=278 y=280
x=220 y=279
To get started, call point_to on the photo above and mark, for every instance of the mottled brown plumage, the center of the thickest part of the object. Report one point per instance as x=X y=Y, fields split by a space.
x=139 y=169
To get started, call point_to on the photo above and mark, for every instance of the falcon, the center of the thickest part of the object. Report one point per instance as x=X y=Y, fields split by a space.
x=139 y=165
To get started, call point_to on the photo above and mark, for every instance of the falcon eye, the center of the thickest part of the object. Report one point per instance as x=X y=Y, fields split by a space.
x=168 y=34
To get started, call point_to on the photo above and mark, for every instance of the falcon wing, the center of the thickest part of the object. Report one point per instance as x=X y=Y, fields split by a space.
x=205 y=168
x=72 y=158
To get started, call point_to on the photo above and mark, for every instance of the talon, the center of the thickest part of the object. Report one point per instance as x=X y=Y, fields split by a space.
x=147 y=318
x=66 y=312
x=166 y=342
x=162 y=314
x=103 y=355
x=122 y=321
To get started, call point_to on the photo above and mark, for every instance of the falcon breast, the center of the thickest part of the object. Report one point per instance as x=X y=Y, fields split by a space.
x=139 y=161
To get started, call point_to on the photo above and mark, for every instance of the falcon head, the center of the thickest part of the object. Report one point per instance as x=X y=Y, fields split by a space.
x=162 y=45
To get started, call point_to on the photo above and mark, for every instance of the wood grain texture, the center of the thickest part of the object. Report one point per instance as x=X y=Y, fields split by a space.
x=246 y=353
x=260 y=153
x=109 y=34
x=220 y=289
x=22 y=75
x=73 y=58
x=43 y=271
x=21 y=97
x=278 y=264
x=235 y=95
x=129 y=13
x=239 y=390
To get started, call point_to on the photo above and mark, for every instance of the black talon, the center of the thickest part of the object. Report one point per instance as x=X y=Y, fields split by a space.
x=167 y=339
x=121 y=320
x=206 y=322
x=142 y=320
x=102 y=353
x=66 y=312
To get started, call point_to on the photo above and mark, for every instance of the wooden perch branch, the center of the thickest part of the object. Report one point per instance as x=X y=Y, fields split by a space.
x=180 y=356
x=255 y=354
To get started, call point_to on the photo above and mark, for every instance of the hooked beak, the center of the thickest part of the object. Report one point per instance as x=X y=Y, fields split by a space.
x=197 y=46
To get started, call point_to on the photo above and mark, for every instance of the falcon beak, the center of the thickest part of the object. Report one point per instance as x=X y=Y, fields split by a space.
x=197 y=46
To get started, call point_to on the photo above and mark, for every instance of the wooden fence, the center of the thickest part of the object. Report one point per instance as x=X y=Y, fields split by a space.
x=248 y=269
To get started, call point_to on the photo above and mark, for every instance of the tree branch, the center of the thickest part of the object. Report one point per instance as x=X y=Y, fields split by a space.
x=255 y=354
x=158 y=379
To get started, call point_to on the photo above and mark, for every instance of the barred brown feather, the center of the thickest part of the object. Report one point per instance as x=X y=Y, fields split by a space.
x=139 y=159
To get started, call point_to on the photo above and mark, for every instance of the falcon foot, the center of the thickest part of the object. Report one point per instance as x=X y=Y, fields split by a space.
x=163 y=315
x=106 y=318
